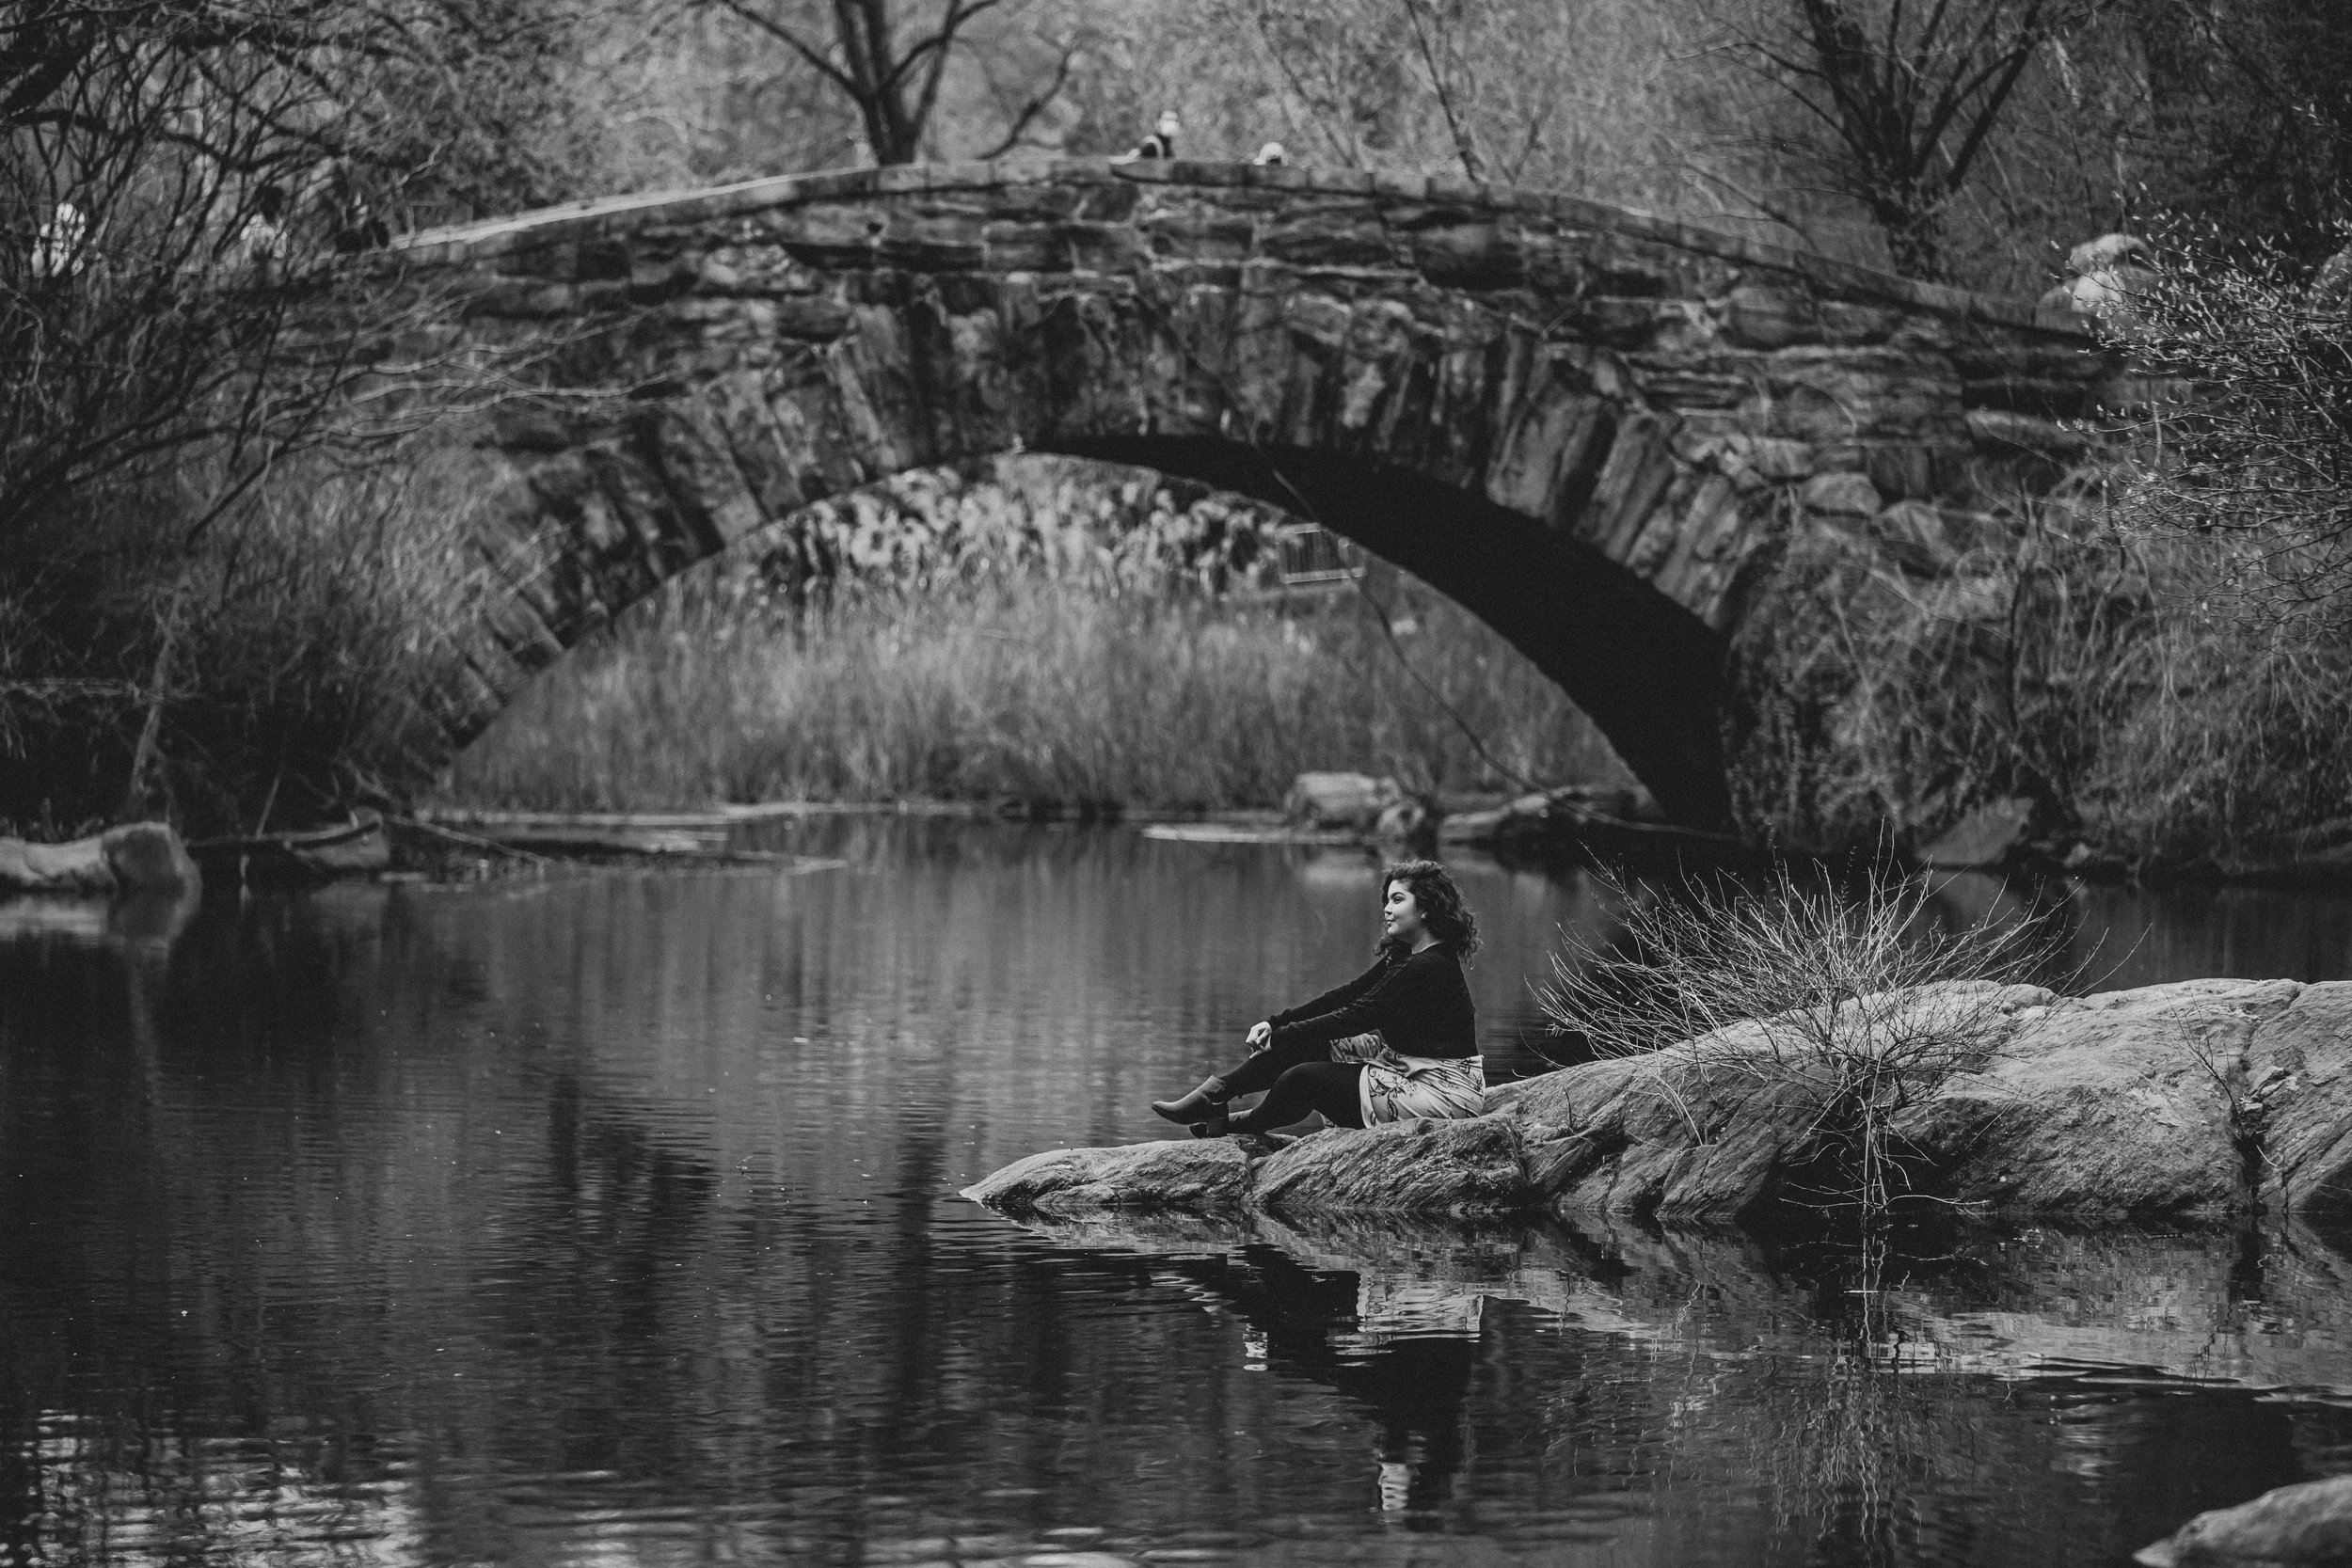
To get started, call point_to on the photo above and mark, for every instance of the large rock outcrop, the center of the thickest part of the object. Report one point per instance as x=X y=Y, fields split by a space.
x=2201 y=1099
x=2129 y=1103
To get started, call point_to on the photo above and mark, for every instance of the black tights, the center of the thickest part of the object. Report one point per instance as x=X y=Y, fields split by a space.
x=1299 y=1079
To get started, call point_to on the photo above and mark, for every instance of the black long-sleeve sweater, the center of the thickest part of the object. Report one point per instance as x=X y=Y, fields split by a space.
x=1420 y=1003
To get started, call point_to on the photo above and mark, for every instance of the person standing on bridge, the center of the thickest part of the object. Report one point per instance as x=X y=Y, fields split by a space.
x=1398 y=1041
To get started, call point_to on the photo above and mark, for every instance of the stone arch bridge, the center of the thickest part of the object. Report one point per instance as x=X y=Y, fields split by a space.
x=1589 y=426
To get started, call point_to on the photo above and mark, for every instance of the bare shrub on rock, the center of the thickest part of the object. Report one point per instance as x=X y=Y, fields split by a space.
x=1839 y=1011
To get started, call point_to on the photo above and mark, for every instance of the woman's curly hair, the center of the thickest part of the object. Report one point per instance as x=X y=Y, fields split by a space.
x=1442 y=910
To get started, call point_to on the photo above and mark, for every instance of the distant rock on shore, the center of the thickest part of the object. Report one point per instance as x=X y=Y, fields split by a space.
x=2201 y=1099
x=139 y=856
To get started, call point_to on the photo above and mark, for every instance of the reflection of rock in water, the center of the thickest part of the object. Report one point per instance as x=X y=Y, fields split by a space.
x=139 y=921
x=128 y=937
x=1840 y=1399
x=1374 y=1307
x=2262 y=1307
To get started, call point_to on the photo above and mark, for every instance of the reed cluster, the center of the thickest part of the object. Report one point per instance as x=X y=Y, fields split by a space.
x=1033 y=688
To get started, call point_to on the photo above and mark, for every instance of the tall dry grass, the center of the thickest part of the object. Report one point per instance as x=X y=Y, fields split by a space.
x=1034 y=688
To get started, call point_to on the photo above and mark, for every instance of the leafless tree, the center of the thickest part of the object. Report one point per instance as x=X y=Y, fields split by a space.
x=186 y=187
x=2252 y=116
x=1903 y=96
x=892 y=60
x=2256 y=448
x=1439 y=44
x=1507 y=90
x=180 y=180
x=145 y=281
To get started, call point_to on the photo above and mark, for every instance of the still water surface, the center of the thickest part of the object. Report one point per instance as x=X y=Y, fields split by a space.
x=611 y=1219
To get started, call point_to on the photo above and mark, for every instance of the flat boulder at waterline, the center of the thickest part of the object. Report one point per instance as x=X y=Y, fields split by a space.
x=137 y=857
x=2308 y=1526
x=1470 y=1166
x=1202 y=1177
x=2200 y=1098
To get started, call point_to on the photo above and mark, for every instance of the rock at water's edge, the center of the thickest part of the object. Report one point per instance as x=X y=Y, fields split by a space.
x=2114 y=1103
x=1353 y=801
x=1468 y=1166
x=1427 y=1167
x=2139 y=1103
x=139 y=856
x=2295 y=1526
x=2299 y=1084
x=1194 y=1176
x=77 y=867
x=148 y=857
x=2194 y=1100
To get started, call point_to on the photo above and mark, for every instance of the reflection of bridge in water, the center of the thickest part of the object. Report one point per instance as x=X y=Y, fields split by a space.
x=1588 y=426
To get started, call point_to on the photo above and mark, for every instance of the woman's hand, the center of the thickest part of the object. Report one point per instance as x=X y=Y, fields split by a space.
x=1261 y=1035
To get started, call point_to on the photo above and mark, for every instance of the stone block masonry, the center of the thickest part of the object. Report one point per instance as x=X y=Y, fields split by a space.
x=1590 y=426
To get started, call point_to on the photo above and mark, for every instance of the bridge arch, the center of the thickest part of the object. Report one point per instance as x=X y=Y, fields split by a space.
x=1592 y=428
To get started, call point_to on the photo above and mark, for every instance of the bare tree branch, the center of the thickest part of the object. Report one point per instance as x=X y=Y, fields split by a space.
x=1428 y=40
x=1910 y=97
x=893 y=76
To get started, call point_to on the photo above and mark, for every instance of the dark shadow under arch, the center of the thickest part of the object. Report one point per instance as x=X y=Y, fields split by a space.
x=1648 y=671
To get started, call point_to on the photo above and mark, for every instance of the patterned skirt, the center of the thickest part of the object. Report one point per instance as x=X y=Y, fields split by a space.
x=1397 y=1087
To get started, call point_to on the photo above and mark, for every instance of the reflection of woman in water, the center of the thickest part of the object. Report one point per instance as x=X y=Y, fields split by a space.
x=1405 y=1350
x=1398 y=1041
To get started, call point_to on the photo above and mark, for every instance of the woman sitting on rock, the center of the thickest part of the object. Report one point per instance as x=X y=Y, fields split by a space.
x=1398 y=1041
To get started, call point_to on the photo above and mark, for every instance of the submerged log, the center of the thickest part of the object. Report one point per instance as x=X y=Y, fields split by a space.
x=355 y=848
x=2197 y=1100
x=704 y=834
x=1590 y=826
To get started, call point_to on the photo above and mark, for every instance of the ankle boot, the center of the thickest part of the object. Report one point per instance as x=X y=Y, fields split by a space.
x=1224 y=1122
x=1209 y=1097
